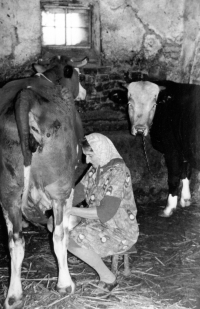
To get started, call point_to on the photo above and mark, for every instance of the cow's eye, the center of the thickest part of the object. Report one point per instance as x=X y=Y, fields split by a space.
x=57 y=125
x=34 y=129
x=154 y=106
x=68 y=71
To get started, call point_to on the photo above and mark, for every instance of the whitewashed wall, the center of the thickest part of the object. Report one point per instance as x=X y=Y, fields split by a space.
x=19 y=30
x=162 y=34
x=154 y=35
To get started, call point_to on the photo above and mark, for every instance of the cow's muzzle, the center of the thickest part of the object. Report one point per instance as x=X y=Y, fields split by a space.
x=139 y=129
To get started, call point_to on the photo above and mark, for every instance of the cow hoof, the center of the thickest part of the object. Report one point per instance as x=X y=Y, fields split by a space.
x=185 y=202
x=11 y=303
x=166 y=215
x=68 y=290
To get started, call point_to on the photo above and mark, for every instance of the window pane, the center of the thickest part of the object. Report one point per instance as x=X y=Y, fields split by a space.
x=47 y=19
x=48 y=35
x=60 y=36
x=77 y=20
x=60 y=20
x=77 y=36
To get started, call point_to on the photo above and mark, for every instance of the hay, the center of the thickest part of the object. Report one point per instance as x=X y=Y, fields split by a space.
x=40 y=292
x=165 y=272
x=39 y=296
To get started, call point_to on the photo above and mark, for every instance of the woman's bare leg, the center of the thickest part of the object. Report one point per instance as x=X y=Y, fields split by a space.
x=92 y=259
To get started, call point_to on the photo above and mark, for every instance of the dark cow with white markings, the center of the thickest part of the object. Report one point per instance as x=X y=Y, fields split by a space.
x=40 y=134
x=170 y=113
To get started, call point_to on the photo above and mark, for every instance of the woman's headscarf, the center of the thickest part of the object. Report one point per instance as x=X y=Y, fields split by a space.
x=102 y=147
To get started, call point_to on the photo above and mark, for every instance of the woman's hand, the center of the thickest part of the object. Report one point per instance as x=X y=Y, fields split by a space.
x=73 y=221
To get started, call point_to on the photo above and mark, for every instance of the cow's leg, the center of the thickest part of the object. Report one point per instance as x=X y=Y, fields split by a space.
x=185 y=193
x=185 y=177
x=171 y=206
x=173 y=163
x=61 y=240
x=16 y=247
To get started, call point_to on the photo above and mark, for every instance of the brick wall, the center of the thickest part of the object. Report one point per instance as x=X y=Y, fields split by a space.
x=98 y=111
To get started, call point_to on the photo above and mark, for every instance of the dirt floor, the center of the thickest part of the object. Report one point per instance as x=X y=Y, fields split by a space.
x=165 y=271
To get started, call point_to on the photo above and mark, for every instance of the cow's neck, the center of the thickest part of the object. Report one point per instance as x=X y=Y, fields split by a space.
x=53 y=74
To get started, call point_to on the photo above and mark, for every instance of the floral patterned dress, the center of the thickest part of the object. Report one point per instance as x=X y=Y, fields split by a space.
x=109 y=188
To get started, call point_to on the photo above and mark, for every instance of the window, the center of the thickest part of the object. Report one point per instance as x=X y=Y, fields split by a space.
x=69 y=27
x=72 y=28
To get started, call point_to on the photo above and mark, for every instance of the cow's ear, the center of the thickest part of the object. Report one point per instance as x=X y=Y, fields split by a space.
x=68 y=71
x=39 y=68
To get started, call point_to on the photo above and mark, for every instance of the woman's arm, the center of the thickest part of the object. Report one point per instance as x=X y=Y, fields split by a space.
x=87 y=213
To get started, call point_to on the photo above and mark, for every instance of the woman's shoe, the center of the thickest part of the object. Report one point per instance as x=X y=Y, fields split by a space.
x=103 y=288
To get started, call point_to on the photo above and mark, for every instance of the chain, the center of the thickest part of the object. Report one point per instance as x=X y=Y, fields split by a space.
x=144 y=147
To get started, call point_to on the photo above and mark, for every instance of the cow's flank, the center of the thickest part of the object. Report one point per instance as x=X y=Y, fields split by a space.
x=40 y=134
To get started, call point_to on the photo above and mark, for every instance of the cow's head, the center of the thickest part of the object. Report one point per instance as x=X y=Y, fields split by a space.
x=59 y=70
x=142 y=98
x=65 y=71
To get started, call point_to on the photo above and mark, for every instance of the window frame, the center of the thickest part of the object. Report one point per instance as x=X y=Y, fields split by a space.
x=66 y=8
x=94 y=52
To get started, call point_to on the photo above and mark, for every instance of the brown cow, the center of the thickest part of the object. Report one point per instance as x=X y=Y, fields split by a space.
x=40 y=133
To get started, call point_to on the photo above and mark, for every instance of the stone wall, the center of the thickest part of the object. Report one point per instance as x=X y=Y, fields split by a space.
x=153 y=35
x=19 y=36
x=156 y=36
x=99 y=112
x=154 y=39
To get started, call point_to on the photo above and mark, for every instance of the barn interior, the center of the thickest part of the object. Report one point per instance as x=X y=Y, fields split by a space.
x=125 y=41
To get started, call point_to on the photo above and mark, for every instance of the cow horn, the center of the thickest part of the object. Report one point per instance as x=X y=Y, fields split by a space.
x=80 y=63
x=39 y=68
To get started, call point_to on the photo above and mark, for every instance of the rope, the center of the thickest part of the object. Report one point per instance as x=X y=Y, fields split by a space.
x=40 y=74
